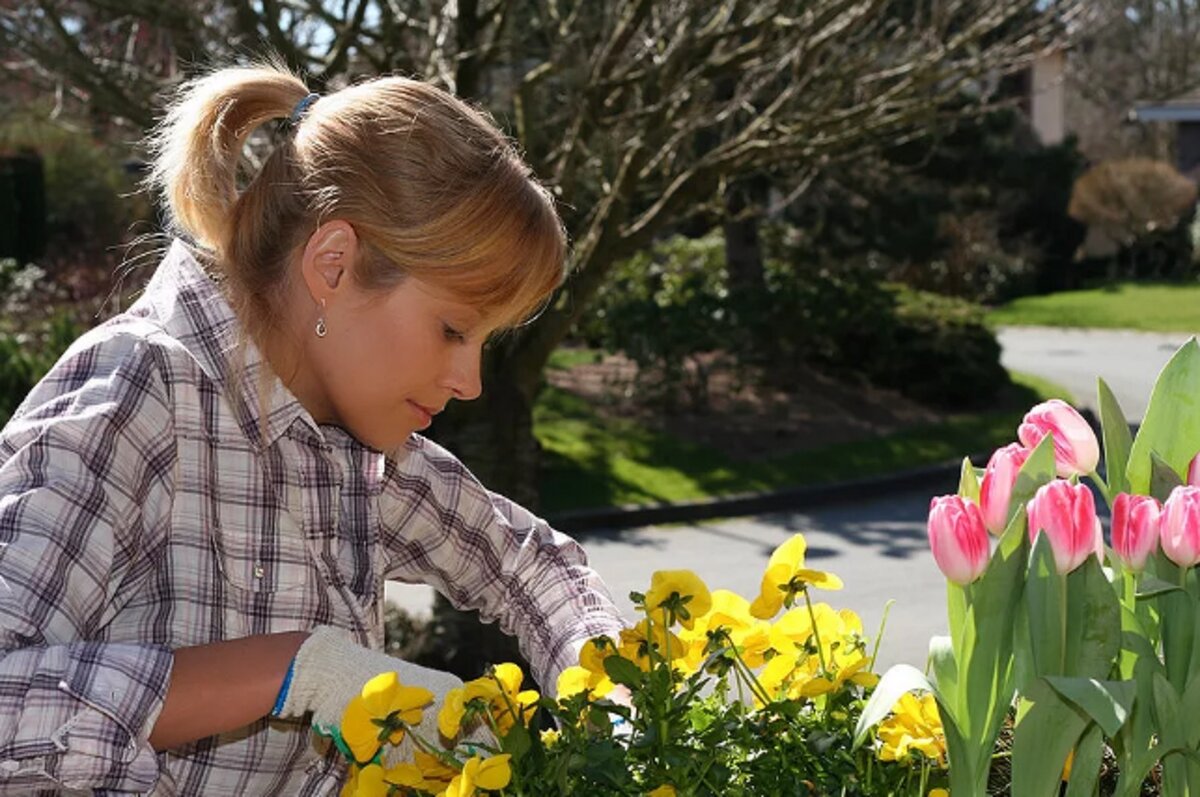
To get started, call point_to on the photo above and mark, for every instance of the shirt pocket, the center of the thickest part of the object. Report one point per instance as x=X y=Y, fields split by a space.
x=257 y=545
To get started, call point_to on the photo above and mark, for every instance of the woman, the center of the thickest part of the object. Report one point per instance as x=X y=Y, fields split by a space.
x=200 y=503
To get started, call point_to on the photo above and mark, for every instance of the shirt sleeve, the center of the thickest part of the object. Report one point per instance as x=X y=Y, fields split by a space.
x=84 y=469
x=486 y=553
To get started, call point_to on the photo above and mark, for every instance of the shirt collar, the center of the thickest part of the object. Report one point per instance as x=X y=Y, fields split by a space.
x=189 y=304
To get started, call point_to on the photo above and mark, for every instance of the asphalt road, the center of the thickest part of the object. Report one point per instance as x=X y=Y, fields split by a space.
x=1128 y=361
x=877 y=545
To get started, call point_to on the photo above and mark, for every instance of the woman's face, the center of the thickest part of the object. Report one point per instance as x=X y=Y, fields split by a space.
x=389 y=360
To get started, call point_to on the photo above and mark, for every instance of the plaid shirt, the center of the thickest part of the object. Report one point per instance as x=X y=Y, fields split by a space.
x=150 y=500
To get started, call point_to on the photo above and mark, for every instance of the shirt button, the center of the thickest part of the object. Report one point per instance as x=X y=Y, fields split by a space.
x=258 y=570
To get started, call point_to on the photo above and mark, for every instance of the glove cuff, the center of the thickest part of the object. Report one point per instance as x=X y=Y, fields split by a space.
x=323 y=679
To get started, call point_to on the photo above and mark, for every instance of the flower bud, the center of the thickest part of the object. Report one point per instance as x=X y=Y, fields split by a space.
x=1135 y=529
x=958 y=538
x=1066 y=514
x=1193 y=474
x=995 y=492
x=1076 y=449
x=1181 y=526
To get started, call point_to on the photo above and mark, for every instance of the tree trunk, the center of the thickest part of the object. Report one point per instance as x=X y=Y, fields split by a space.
x=744 y=201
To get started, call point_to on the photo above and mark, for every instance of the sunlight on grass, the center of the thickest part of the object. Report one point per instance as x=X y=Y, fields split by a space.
x=593 y=461
x=1152 y=308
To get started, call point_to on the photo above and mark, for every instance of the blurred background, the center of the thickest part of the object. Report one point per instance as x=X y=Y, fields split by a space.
x=814 y=241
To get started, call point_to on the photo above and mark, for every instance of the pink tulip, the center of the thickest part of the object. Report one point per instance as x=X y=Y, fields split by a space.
x=1066 y=514
x=995 y=493
x=1194 y=471
x=1076 y=449
x=958 y=538
x=1181 y=526
x=1135 y=529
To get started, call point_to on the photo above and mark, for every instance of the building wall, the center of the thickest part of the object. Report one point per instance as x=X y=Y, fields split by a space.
x=1047 y=98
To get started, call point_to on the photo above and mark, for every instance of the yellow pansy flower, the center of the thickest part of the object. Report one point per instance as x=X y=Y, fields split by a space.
x=574 y=680
x=510 y=698
x=550 y=737
x=636 y=643
x=479 y=693
x=663 y=791
x=383 y=710
x=375 y=781
x=914 y=725
x=682 y=594
x=939 y=793
x=488 y=774
x=436 y=772
x=786 y=576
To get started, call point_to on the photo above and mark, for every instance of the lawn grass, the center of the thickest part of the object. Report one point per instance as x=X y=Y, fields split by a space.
x=1148 y=307
x=592 y=461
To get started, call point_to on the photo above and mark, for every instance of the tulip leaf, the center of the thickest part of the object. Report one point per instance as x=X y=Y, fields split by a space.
x=968 y=481
x=1172 y=422
x=1117 y=440
x=1037 y=471
x=1151 y=587
x=1163 y=478
x=1041 y=741
x=1044 y=597
x=895 y=683
x=945 y=668
x=1171 y=734
x=1093 y=622
x=1108 y=703
x=1085 y=768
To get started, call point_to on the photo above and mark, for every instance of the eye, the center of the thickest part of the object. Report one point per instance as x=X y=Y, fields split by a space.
x=452 y=335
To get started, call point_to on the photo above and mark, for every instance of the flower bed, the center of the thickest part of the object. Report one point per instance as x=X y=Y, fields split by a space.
x=1078 y=659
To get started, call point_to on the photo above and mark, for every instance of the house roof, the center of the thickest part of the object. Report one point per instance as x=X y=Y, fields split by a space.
x=1183 y=108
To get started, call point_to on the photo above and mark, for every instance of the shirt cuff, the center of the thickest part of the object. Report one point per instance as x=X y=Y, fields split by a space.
x=120 y=689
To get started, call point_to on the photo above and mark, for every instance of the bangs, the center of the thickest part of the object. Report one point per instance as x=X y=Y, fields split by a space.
x=501 y=250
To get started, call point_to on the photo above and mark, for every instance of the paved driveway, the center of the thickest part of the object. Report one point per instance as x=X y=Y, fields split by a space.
x=1128 y=361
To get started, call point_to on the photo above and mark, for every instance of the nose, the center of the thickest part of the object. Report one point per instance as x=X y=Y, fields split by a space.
x=462 y=375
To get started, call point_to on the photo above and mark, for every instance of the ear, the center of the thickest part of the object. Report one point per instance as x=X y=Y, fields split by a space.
x=329 y=256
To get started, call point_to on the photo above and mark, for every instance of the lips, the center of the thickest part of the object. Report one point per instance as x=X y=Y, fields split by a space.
x=424 y=414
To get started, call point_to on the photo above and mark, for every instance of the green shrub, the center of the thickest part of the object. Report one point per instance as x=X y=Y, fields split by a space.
x=940 y=351
x=667 y=307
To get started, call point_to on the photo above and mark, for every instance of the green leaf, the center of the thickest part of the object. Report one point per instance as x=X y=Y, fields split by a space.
x=1041 y=741
x=1172 y=422
x=896 y=682
x=1163 y=478
x=1109 y=703
x=968 y=482
x=1117 y=440
x=1171 y=734
x=1044 y=602
x=1037 y=471
x=1151 y=587
x=1085 y=769
x=945 y=669
x=623 y=671
x=517 y=741
x=1093 y=622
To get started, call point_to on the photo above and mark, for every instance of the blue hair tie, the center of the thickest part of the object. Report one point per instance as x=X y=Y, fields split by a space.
x=301 y=108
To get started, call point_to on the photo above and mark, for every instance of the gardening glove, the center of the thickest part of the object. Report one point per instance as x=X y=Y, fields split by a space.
x=329 y=671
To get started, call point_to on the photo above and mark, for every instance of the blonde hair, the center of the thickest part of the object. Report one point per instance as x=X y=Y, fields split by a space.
x=432 y=187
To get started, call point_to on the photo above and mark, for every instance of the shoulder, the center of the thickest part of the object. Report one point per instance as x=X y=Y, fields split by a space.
x=122 y=370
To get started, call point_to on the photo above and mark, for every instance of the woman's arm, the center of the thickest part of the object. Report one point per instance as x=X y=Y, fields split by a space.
x=223 y=686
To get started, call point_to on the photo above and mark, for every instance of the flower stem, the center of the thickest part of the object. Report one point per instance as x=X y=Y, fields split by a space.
x=816 y=633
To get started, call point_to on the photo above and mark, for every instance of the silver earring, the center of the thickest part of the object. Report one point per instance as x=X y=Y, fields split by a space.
x=321 y=329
